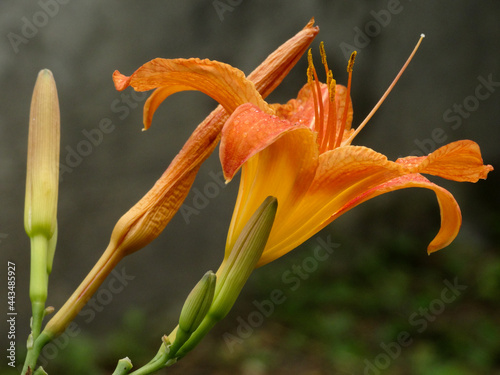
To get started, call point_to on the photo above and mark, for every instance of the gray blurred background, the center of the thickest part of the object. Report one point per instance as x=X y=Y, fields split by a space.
x=82 y=43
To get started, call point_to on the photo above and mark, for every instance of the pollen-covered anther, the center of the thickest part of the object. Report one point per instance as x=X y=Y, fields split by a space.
x=323 y=57
x=312 y=80
x=350 y=64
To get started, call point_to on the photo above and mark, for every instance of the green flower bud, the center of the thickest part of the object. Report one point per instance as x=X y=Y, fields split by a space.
x=245 y=254
x=195 y=309
x=235 y=271
x=197 y=303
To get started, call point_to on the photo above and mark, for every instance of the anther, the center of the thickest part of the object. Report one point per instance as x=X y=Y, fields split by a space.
x=351 y=61
x=323 y=57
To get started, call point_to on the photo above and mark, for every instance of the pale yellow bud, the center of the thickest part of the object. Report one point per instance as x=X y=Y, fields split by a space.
x=42 y=177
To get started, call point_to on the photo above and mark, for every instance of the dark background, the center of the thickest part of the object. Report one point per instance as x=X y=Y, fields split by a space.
x=350 y=307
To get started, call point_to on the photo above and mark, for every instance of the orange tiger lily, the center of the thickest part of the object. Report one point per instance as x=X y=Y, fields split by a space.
x=301 y=152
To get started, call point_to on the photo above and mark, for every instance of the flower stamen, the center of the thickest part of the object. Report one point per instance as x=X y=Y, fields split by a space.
x=312 y=79
x=311 y=73
x=377 y=106
x=331 y=121
x=332 y=112
x=350 y=65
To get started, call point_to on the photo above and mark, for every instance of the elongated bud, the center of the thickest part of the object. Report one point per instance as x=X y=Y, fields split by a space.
x=195 y=309
x=244 y=256
x=235 y=270
x=197 y=303
x=42 y=177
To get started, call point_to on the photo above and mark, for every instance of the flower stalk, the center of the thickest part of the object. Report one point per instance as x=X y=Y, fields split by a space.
x=210 y=301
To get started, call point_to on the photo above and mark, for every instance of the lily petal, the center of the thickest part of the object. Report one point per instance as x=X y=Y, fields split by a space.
x=227 y=85
x=286 y=168
x=248 y=131
x=279 y=63
x=342 y=174
x=300 y=110
x=457 y=161
x=451 y=217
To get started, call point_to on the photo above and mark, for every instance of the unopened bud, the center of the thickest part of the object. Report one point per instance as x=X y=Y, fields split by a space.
x=235 y=270
x=198 y=303
x=43 y=158
x=243 y=257
x=195 y=309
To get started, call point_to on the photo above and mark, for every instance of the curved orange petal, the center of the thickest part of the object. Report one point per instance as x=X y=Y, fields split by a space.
x=451 y=217
x=284 y=170
x=227 y=85
x=121 y=81
x=248 y=131
x=458 y=161
x=279 y=63
x=155 y=99
x=342 y=174
x=301 y=110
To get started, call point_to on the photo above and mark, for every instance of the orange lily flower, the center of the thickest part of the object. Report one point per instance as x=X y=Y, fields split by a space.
x=302 y=154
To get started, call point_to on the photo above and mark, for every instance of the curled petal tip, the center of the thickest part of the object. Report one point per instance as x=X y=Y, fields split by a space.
x=432 y=249
x=310 y=24
x=121 y=82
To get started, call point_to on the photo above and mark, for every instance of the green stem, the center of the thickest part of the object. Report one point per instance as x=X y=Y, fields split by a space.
x=162 y=360
x=40 y=371
x=39 y=281
x=34 y=352
x=206 y=325
x=123 y=367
